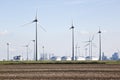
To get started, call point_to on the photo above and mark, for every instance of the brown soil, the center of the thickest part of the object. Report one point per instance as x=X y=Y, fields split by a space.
x=60 y=72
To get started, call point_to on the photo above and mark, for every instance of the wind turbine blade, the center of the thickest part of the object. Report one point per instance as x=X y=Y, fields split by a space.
x=27 y=24
x=36 y=13
x=99 y=30
x=36 y=20
x=42 y=27
x=23 y=46
x=86 y=41
x=87 y=45
x=72 y=27
x=94 y=45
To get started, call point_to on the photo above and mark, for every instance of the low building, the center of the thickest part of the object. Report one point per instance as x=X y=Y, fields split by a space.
x=92 y=58
x=115 y=56
x=66 y=58
x=104 y=57
x=17 y=58
x=55 y=58
x=88 y=58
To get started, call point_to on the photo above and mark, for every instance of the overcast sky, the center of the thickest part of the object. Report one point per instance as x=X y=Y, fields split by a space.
x=56 y=17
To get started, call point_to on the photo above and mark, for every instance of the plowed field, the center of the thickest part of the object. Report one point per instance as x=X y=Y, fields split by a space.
x=60 y=72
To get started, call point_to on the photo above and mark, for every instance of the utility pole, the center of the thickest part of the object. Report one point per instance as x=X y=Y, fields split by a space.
x=99 y=44
x=8 y=51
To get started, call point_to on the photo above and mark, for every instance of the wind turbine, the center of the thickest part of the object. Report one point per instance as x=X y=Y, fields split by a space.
x=72 y=28
x=36 y=20
x=26 y=48
x=36 y=39
x=77 y=48
x=36 y=35
x=90 y=44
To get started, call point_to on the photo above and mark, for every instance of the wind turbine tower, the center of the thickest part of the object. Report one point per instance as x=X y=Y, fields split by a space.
x=34 y=50
x=99 y=44
x=36 y=21
x=8 y=51
x=27 y=51
x=72 y=28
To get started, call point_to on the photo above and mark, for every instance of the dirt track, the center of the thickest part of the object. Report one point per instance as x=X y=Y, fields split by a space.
x=60 y=72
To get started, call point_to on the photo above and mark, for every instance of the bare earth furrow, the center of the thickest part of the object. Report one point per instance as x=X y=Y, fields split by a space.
x=60 y=72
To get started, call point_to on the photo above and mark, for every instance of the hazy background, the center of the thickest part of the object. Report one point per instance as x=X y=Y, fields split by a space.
x=56 y=17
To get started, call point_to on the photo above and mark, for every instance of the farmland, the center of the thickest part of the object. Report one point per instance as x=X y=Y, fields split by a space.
x=59 y=71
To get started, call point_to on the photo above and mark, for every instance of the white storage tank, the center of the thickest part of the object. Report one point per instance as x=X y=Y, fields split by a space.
x=95 y=59
x=80 y=58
